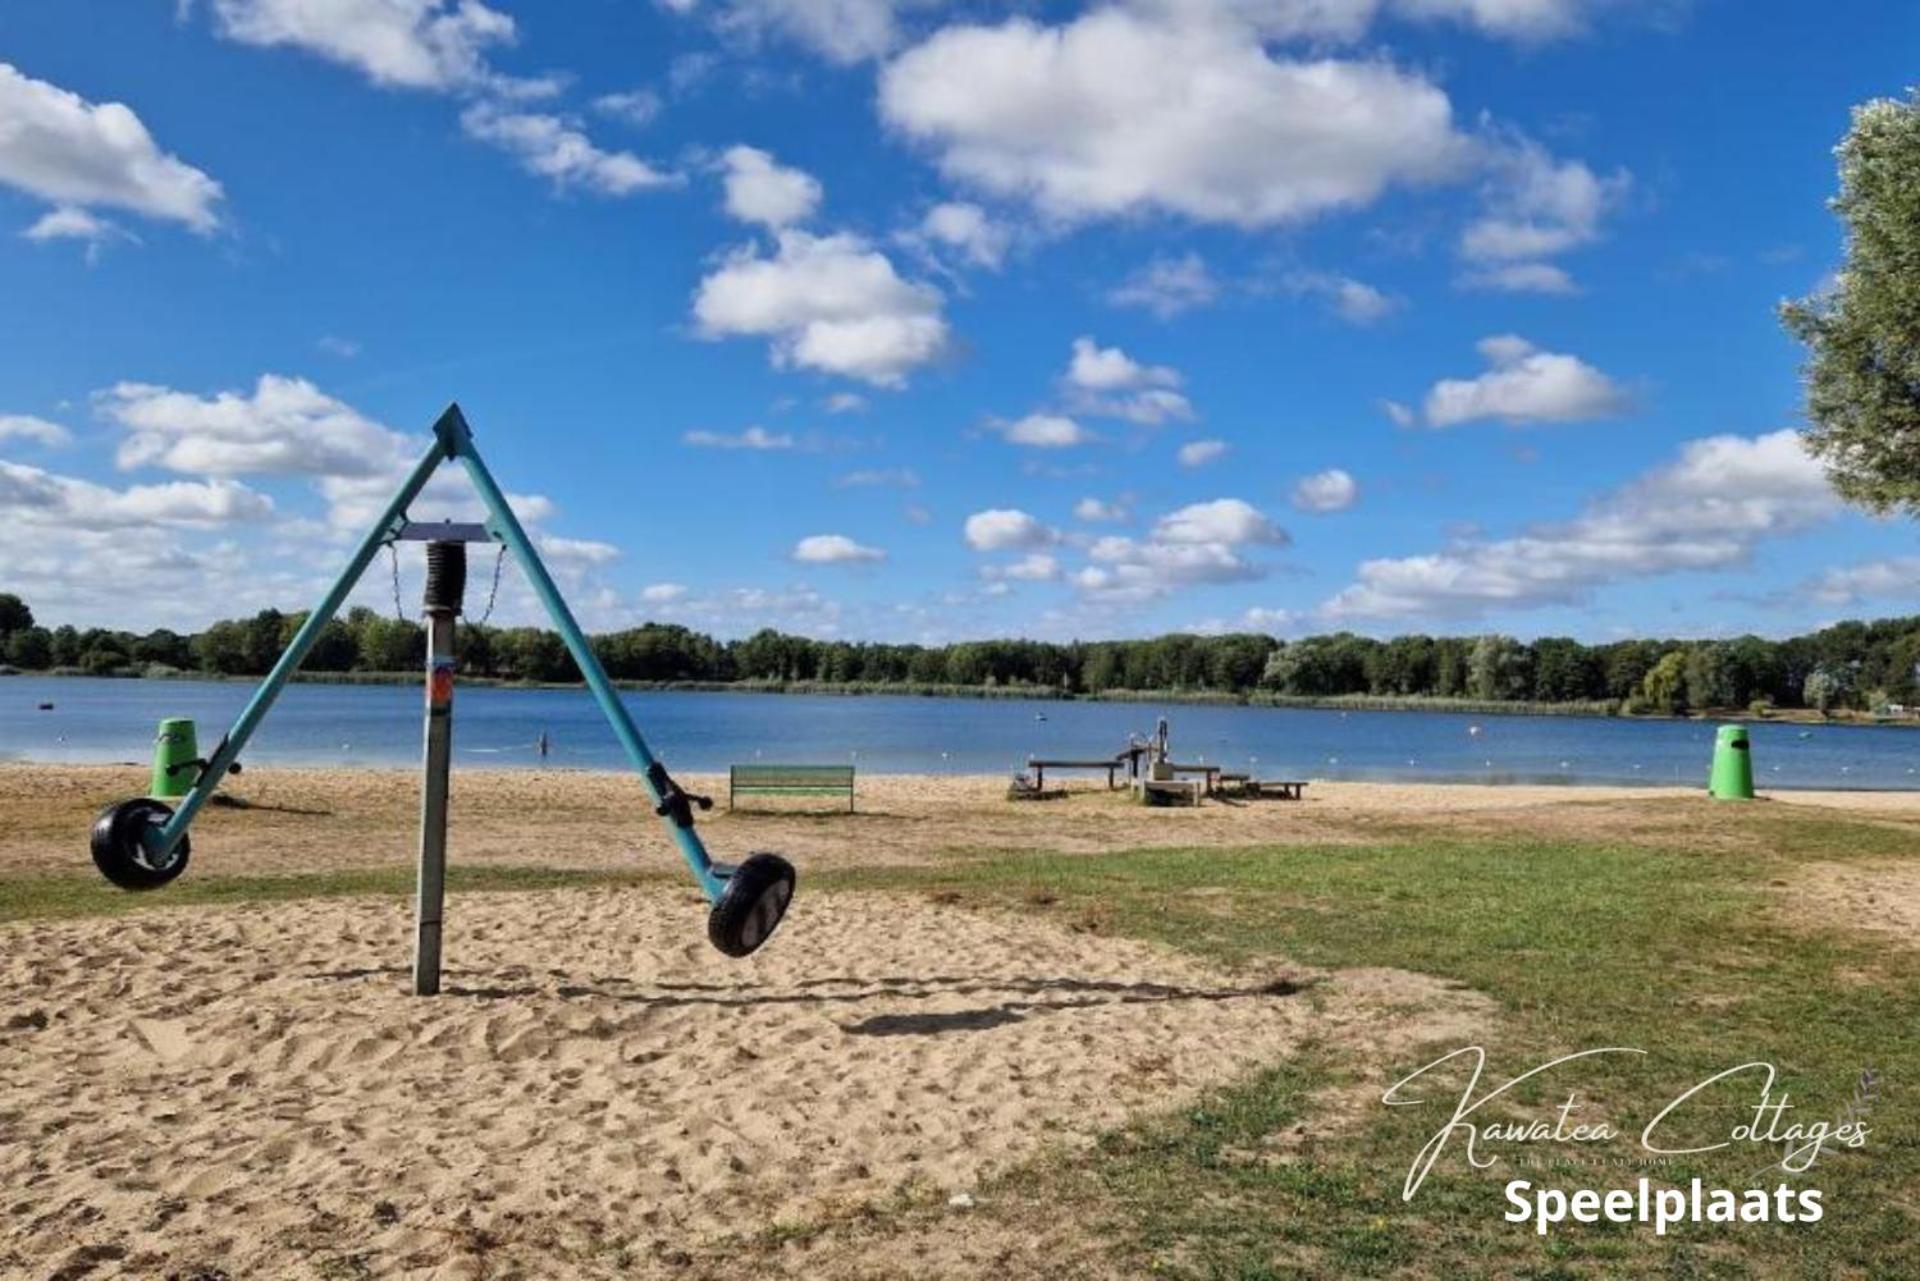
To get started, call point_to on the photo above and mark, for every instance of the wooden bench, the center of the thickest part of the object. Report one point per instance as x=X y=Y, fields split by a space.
x=790 y=780
x=1282 y=789
x=1211 y=773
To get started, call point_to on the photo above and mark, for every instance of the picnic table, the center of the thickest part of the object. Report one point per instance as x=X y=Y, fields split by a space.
x=1111 y=765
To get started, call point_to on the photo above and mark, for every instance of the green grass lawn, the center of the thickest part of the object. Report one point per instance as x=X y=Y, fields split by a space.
x=1681 y=953
x=1582 y=946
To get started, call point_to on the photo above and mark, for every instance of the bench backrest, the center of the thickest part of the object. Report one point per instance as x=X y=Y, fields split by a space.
x=837 y=777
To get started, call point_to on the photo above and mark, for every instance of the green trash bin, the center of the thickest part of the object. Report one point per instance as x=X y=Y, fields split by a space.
x=175 y=745
x=1732 y=777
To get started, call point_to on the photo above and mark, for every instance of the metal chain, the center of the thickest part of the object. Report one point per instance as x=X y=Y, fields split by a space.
x=493 y=593
x=399 y=610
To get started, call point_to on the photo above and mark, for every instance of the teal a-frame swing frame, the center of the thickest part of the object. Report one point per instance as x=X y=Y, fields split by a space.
x=141 y=844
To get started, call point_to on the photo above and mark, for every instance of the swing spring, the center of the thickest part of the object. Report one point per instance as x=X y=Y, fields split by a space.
x=493 y=591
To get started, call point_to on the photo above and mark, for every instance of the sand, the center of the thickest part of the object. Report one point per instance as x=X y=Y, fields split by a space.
x=210 y=1093
x=597 y=1092
x=306 y=820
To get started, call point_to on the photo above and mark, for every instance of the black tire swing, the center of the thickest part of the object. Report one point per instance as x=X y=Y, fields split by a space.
x=120 y=847
x=752 y=904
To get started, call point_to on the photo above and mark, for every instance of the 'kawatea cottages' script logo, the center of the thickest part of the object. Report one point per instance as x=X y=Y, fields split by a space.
x=1681 y=1128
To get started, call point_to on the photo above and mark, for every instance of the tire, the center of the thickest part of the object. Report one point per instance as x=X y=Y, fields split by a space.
x=751 y=907
x=119 y=853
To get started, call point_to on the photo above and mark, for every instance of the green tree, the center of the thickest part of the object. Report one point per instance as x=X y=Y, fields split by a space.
x=1863 y=334
x=14 y=615
x=31 y=648
x=1665 y=686
x=1712 y=680
x=1498 y=668
x=1828 y=688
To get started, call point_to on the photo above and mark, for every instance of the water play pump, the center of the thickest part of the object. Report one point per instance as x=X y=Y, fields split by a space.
x=1732 y=777
x=176 y=759
x=142 y=844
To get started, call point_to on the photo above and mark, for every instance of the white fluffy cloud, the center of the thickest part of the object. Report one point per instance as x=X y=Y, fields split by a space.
x=408 y=44
x=1232 y=522
x=834 y=549
x=966 y=229
x=1199 y=544
x=832 y=303
x=1526 y=385
x=1332 y=490
x=842 y=31
x=761 y=190
x=1398 y=414
x=756 y=438
x=1354 y=301
x=1035 y=567
x=1007 y=529
x=58 y=146
x=556 y=149
x=576 y=553
x=1107 y=382
x=1167 y=286
x=1706 y=510
x=1046 y=431
x=1198 y=453
x=1528 y=21
x=636 y=107
x=284 y=427
x=289 y=427
x=31 y=494
x=37 y=430
x=1896 y=578
x=1121 y=112
x=1521 y=278
x=1100 y=511
x=1537 y=207
x=69 y=222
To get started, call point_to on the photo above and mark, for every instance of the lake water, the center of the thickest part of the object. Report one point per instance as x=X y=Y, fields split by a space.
x=96 y=720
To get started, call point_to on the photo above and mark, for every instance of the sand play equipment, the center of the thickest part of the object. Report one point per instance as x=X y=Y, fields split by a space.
x=142 y=844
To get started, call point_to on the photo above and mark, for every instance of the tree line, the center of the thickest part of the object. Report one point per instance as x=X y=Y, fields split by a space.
x=1865 y=665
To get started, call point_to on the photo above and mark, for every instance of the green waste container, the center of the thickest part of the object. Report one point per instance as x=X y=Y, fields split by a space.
x=1732 y=777
x=173 y=746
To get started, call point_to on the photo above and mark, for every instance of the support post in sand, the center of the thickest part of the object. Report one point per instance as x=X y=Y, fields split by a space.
x=446 y=585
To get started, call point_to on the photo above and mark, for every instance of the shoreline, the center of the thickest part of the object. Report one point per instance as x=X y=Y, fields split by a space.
x=1345 y=703
x=1386 y=793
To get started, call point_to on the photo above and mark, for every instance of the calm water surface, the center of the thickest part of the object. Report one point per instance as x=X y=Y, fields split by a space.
x=113 y=720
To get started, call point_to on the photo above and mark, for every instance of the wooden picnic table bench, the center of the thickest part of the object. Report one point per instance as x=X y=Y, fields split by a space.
x=1111 y=765
x=790 y=780
x=1285 y=789
x=1210 y=772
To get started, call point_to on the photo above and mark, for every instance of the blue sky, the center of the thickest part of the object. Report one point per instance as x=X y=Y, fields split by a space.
x=910 y=320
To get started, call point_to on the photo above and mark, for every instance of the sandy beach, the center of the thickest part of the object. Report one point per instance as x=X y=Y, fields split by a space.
x=223 y=1092
x=298 y=820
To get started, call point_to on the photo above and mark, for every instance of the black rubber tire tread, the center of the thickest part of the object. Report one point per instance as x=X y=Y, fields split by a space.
x=116 y=845
x=753 y=904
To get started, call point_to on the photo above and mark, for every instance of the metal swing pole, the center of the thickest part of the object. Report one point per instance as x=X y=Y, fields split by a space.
x=668 y=800
x=133 y=844
x=445 y=587
x=161 y=839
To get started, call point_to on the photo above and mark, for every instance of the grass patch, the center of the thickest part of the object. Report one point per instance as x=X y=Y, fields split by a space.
x=1674 y=949
x=1583 y=946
